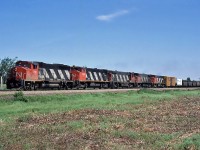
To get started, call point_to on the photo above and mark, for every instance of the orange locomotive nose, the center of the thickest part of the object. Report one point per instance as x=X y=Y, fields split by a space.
x=78 y=74
x=20 y=73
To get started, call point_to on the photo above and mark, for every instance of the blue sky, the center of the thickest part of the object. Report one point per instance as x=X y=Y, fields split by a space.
x=157 y=36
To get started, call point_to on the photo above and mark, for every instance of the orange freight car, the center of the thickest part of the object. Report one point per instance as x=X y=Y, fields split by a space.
x=169 y=81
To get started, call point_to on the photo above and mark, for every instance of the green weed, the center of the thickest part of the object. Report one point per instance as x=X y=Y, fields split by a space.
x=19 y=96
x=74 y=125
x=190 y=143
x=25 y=118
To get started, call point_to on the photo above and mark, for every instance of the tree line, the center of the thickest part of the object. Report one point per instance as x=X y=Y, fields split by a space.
x=5 y=65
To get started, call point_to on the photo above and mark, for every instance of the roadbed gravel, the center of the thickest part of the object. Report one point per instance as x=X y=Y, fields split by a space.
x=51 y=92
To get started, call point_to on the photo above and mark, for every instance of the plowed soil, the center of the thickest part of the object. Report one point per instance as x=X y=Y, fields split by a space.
x=138 y=128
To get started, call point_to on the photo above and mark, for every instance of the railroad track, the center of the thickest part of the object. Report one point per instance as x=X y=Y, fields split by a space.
x=51 y=92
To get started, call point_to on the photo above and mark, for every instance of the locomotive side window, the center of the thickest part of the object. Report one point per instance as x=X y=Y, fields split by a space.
x=34 y=66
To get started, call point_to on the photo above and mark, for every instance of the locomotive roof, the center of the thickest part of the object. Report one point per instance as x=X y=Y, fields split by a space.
x=52 y=65
x=24 y=61
x=42 y=64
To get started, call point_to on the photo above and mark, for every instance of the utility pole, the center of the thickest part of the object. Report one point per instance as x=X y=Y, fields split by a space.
x=1 y=82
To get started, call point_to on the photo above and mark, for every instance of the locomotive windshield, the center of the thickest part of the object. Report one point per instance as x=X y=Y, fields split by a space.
x=23 y=64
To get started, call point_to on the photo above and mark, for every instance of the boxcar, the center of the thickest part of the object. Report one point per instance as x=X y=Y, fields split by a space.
x=194 y=83
x=179 y=82
x=173 y=81
x=184 y=83
x=190 y=83
x=169 y=81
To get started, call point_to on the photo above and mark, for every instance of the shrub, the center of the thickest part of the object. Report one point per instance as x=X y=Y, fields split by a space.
x=19 y=96
x=25 y=118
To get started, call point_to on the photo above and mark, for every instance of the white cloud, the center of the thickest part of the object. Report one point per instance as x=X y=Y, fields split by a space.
x=110 y=17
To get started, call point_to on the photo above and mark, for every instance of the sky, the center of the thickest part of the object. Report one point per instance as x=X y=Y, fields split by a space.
x=157 y=37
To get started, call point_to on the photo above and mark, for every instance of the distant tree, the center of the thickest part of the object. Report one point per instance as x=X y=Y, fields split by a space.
x=188 y=79
x=5 y=65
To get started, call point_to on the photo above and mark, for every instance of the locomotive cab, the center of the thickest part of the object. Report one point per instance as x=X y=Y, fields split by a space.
x=132 y=77
x=78 y=74
x=23 y=71
x=26 y=70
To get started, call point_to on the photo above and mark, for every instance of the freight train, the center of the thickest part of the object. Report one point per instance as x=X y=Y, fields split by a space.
x=27 y=75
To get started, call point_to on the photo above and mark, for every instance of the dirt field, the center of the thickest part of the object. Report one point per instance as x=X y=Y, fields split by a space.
x=162 y=125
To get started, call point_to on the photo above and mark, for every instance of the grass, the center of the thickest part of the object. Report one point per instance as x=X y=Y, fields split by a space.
x=190 y=143
x=3 y=87
x=60 y=103
x=144 y=119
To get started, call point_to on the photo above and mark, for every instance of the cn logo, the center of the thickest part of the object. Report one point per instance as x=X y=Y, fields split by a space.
x=74 y=75
x=20 y=75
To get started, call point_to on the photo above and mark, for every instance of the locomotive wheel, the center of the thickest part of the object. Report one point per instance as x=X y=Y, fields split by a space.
x=117 y=86
x=32 y=87
x=100 y=87
x=66 y=87
x=35 y=87
x=85 y=86
x=26 y=88
x=71 y=86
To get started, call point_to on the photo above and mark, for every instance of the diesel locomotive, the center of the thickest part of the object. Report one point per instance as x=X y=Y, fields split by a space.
x=27 y=75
